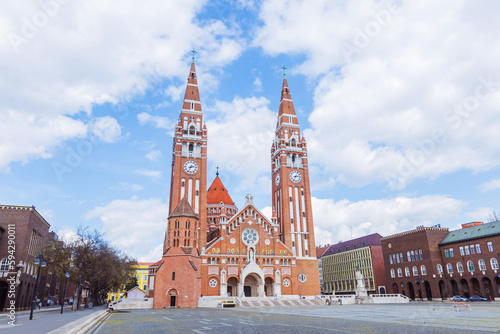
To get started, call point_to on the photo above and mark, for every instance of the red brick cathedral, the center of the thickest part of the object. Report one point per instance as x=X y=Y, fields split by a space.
x=211 y=247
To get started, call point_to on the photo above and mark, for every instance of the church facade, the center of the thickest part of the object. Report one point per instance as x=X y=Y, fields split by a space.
x=211 y=247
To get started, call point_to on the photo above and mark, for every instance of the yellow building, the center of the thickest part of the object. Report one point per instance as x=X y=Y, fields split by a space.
x=140 y=273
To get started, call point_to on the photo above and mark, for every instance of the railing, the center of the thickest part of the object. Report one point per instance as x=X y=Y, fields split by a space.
x=390 y=296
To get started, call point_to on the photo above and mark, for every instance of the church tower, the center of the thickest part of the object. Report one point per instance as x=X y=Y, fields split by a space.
x=291 y=193
x=189 y=158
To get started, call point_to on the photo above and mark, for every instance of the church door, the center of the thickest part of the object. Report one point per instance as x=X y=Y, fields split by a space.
x=248 y=291
x=172 y=301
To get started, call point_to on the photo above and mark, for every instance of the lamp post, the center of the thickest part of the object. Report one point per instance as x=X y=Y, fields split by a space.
x=64 y=293
x=40 y=260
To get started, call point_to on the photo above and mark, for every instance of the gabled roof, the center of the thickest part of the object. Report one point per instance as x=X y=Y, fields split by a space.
x=218 y=193
x=321 y=250
x=183 y=209
x=475 y=232
x=365 y=241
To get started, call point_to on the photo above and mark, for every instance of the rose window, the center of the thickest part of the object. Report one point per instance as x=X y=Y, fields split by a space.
x=250 y=236
x=286 y=282
x=212 y=283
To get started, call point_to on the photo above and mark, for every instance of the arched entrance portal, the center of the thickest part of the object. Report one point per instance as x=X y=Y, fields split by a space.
x=232 y=284
x=268 y=287
x=395 y=288
x=251 y=286
x=411 y=291
x=172 y=298
x=382 y=290
x=442 y=289
x=3 y=294
x=497 y=283
x=454 y=287
x=428 y=291
x=476 y=289
x=465 y=287
x=488 y=288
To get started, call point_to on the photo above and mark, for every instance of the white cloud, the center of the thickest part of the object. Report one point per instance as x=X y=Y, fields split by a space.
x=175 y=92
x=333 y=220
x=404 y=105
x=106 y=129
x=24 y=137
x=156 y=174
x=134 y=226
x=154 y=155
x=121 y=186
x=158 y=121
x=490 y=185
x=88 y=53
x=240 y=139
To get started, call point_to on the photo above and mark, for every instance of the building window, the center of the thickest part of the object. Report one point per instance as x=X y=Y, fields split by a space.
x=482 y=265
x=415 y=271
x=412 y=255
x=423 y=270
x=138 y=277
x=460 y=268
x=446 y=253
x=420 y=254
x=4 y=266
x=494 y=264
x=390 y=258
x=397 y=257
x=302 y=277
x=401 y=257
x=400 y=272
x=452 y=253
x=393 y=273
x=173 y=276
x=407 y=272
x=439 y=269
x=470 y=265
x=461 y=249
x=490 y=246
x=478 y=248
x=449 y=268
x=409 y=257
x=472 y=250
x=467 y=252
x=212 y=283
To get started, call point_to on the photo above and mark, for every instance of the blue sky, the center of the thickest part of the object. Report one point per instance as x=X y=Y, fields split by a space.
x=398 y=101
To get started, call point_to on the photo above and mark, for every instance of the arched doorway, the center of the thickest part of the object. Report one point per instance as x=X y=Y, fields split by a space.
x=442 y=289
x=428 y=291
x=488 y=288
x=476 y=289
x=251 y=286
x=3 y=294
x=411 y=291
x=395 y=287
x=454 y=287
x=382 y=290
x=232 y=284
x=465 y=287
x=172 y=298
x=268 y=287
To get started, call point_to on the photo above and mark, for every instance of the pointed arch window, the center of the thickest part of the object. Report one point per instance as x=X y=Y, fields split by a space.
x=415 y=271
x=482 y=265
x=439 y=269
x=423 y=270
x=449 y=268
x=407 y=272
x=460 y=268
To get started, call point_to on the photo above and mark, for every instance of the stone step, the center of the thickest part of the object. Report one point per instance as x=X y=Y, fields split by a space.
x=280 y=302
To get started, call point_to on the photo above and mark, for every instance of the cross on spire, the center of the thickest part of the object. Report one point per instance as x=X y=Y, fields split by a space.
x=193 y=52
x=284 y=71
x=217 y=173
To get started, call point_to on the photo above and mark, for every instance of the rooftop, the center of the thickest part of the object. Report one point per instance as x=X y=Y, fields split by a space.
x=474 y=232
x=366 y=241
x=218 y=193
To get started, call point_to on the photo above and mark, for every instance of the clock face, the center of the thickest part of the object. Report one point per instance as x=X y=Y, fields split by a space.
x=190 y=167
x=295 y=176
x=277 y=180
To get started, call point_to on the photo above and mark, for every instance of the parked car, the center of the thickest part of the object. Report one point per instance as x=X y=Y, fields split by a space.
x=477 y=298
x=460 y=299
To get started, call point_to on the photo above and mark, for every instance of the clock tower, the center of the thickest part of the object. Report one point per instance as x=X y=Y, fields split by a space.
x=291 y=192
x=189 y=158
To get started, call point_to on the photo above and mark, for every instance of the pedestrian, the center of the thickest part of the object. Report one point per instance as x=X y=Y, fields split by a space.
x=40 y=305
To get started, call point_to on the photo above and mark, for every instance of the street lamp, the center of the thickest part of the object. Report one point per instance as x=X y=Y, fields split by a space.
x=40 y=260
x=417 y=282
x=64 y=293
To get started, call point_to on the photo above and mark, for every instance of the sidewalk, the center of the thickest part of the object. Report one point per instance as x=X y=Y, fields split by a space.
x=50 y=320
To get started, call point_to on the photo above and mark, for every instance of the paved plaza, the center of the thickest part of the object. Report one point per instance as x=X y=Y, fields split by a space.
x=389 y=318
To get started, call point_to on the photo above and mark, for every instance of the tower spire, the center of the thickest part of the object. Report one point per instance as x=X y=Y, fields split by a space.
x=193 y=52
